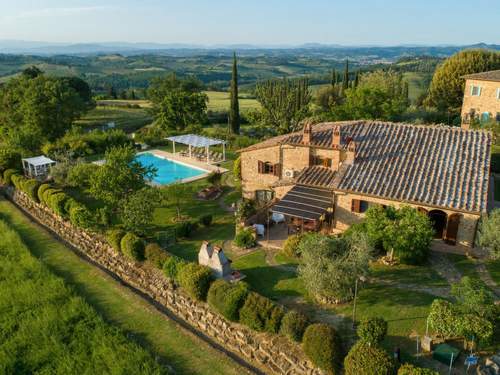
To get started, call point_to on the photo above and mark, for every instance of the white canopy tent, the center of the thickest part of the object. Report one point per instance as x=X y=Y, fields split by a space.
x=38 y=166
x=194 y=140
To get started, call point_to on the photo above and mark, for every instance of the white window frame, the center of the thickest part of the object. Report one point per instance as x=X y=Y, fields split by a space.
x=472 y=87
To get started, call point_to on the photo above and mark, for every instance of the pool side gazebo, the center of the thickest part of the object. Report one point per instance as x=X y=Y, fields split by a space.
x=199 y=141
x=37 y=167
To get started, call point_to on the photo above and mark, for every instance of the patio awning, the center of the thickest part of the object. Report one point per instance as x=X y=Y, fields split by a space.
x=196 y=140
x=305 y=202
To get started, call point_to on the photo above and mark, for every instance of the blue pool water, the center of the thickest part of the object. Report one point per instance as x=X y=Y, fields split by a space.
x=168 y=171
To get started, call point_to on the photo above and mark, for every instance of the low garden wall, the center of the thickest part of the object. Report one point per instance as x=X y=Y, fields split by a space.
x=271 y=353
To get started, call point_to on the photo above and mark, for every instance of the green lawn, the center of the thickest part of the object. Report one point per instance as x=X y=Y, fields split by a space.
x=120 y=306
x=219 y=101
x=406 y=274
x=127 y=119
x=464 y=265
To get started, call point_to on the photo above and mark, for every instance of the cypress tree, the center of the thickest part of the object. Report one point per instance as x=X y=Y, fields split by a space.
x=234 y=110
x=333 y=80
x=356 y=79
x=345 y=82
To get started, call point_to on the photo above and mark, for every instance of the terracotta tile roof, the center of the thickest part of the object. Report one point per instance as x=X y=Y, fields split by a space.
x=433 y=165
x=316 y=176
x=492 y=75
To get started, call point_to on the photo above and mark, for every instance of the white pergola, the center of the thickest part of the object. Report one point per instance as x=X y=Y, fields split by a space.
x=194 y=140
x=38 y=166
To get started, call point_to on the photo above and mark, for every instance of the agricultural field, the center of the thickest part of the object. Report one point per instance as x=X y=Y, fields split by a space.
x=78 y=281
x=127 y=119
x=219 y=101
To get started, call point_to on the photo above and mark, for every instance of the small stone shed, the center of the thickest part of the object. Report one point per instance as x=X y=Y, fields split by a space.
x=214 y=258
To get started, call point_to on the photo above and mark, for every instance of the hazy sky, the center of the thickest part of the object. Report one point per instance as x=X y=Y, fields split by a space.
x=253 y=21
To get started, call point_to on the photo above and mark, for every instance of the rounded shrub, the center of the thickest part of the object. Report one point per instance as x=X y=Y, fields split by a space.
x=132 y=247
x=291 y=246
x=114 y=238
x=206 y=220
x=172 y=266
x=408 y=369
x=57 y=202
x=17 y=180
x=322 y=346
x=245 y=238
x=368 y=360
x=30 y=187
x=195 y=279
x=372 y=330
x=41 y=189
x=80 y=216
x=227 y=299
x=7 y=176
x=261 y=314
x=155 y=255
x=47 y=194
x=294 y=325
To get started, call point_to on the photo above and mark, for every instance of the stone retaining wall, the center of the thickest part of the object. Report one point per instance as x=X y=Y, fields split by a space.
x=271 y=353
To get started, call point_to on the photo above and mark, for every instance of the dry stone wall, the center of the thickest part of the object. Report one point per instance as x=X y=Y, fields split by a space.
x=270 y=353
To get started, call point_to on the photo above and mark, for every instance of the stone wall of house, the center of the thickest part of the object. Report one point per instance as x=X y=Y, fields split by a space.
x=294 y=158
x=486 y=102
x=272 y=354
x=344 y=217
x=251 y=179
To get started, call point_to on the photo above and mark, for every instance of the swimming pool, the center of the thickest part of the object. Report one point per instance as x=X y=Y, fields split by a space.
x=168 y=170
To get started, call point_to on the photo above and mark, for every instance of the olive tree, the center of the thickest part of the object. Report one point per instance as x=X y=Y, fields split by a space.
x=489 y=233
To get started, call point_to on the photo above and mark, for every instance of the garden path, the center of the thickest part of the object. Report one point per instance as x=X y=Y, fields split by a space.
x=485 y=276
x=444 y=267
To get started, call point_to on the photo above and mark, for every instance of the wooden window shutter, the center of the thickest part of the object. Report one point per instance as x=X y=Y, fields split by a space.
x=356 y=205
x=277 y=169
x=260 y=167
x=325 y=162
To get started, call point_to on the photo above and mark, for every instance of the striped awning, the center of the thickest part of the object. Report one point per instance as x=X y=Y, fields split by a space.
x=305 y=202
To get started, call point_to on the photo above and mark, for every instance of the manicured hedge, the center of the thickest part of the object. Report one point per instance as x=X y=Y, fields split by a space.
x=293 y=325
x=172 y=266
x=195 y=279
x=261 y=314
x=80 y=216
x=321 y=344
x=408 y=369
x=114 y=238
x=56 y=202
x=155 y=255
x=227 y=299
x=41 y=190
x=372 y=331
x=47 y=194
x=16 y=180
x=7 y=176
x=369 y=360
x=30 y=187
x=132 y=247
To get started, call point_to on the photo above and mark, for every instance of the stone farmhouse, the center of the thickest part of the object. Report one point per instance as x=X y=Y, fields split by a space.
x=481 y=97
x=327 y=175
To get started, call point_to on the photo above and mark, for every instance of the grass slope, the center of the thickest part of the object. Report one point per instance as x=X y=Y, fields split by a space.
x=120 y=306
x=127 y=119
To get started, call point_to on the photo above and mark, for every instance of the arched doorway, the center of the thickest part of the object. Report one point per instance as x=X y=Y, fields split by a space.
x=438 y=220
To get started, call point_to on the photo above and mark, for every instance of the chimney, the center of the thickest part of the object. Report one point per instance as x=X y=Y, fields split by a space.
x=351 y=153
x=307 y=130
x=336 y=138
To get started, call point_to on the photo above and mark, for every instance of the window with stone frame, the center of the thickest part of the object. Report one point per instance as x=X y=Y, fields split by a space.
x=266 y=167
x=475 y=90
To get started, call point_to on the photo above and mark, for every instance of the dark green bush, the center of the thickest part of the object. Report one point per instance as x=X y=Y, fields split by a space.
x=132 y=247
x=47 y=194
x=293 y=325
x=155 y=255
x=227 y=299
x=114 y=238
x=7 y=176
x=9 y=159
x=408 y=369
x=291 y=246
x=372 y=331
x=30 y=187
x=80 y=216
x=184 y=229
x=172 y=266
x=57 y=202
x=245 y=238
x=321 y=344
x=368 y=360
x=41 y=189
x=261 y=314
x=206 y=220
x=195 y=279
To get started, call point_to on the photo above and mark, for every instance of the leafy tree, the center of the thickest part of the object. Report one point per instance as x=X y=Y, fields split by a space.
x=36 y=110
x=489 y=233
x=372 y=331
x=83 y=90
x=32 y=72
x=177 y=194
x=473 y=297
x=409 y=369
x=177 y=103
x=120 y=176
x=327 y=97
x=330 y=265
x=447 y=87
x=234 y=110
x=284 y=103
x=136 y=211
